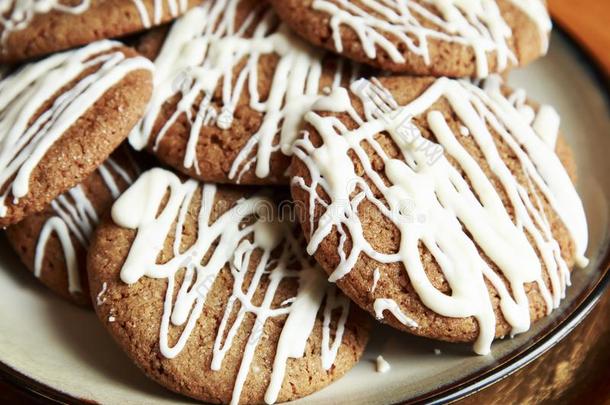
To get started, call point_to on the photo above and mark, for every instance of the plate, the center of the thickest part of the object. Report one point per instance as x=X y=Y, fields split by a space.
x=63 y=353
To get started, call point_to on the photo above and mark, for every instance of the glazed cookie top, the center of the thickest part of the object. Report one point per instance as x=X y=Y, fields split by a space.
x=61 y=117
x=33 y=28
x=432 y=37
x=53 y=243
x=442 y=202
x=211 y=293
x=232 y=84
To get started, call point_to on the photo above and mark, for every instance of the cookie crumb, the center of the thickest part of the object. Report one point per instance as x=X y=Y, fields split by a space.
x=437 y=352
x=111 y=319
x=382 y=365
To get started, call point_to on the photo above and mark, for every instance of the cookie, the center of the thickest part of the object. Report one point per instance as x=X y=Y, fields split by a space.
x=33 y=28
x=232 y=84
x=61 y=117
x=440 y=206
x=208 y=289
x=437 y=38
x=53 y=243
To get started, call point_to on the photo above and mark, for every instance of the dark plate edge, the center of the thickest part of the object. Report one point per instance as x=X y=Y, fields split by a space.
x=510 y=364
x=40 y=392
x=36 y=391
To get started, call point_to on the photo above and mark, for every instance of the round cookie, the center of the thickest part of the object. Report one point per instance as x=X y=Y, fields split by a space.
x=441 y=206
x=232 y=83
x=207 y=288
x=33 y=28
x=61 y=117
x=53 y=243
x=437 y=37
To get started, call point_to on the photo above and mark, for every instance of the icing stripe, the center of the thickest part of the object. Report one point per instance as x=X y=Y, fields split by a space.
x=138 y=208
x=175 y=8
x=448 y=202
x=58 y=226
x=24 y=140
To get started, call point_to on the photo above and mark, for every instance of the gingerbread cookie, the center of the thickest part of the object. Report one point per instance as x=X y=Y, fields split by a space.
x=440 y=205
x=33 y=28
x=61 y=117
x=53 y=243
x=232 y=84
x=436 y=37
x=210 y=292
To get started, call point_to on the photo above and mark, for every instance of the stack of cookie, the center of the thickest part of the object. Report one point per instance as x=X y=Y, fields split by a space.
x=315 y=160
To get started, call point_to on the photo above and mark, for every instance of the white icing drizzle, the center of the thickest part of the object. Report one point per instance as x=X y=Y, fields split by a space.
x=175 y=8
x=384 y=304
x=203 y=51
x=474 y=23
x=138 y=209
x=24 y=141
x=376 y=276
x=546 y=125
x=75 y=216
x=382 y=365
x=57 y=226
x=100 y=299
x=450 y=206
x=464 y=131
x=16 y=15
